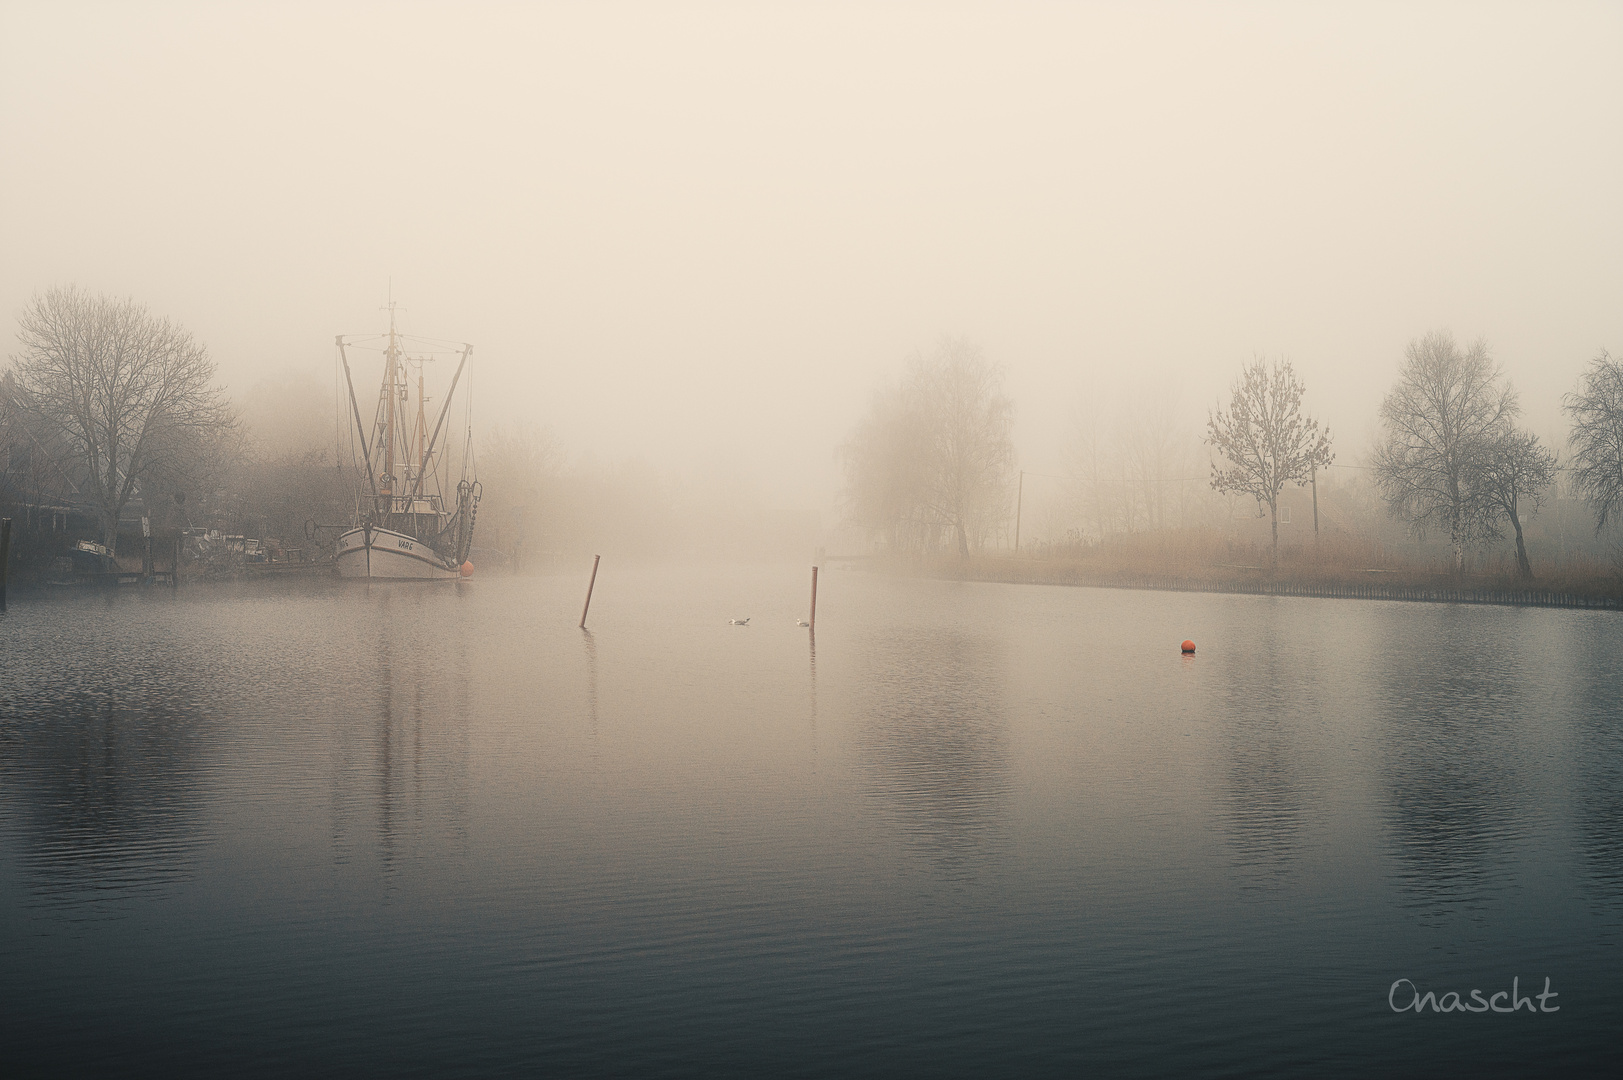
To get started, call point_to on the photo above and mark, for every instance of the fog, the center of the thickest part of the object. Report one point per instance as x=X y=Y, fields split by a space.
x=699 y=235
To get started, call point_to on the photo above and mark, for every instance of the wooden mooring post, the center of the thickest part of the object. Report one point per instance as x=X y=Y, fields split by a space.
x=812 y=622
x=589 y=586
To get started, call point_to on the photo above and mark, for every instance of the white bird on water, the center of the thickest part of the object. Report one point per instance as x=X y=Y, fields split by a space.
x=740 y=622
x=802 y=622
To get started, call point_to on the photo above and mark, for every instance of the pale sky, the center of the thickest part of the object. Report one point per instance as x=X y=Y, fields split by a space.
x=702 y=233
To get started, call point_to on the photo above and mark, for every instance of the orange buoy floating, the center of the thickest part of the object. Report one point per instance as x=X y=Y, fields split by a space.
x=467 y=571
x=1189 y=648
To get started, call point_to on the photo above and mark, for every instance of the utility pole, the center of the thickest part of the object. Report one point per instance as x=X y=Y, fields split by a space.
x=1019 y=501
x=1313 y=478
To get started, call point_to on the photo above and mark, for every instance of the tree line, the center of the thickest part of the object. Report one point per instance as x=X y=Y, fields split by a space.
x=106 y=406
x=931 y=465
x=109 y=411
x=123 y=400
x=105 y=402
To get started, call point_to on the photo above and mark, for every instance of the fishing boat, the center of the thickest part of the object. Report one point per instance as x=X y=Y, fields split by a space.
x=407 y=525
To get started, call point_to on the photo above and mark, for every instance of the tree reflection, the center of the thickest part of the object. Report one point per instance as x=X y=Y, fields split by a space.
x=1600 y=771
x=1262 y=797
x=104 y=768
x=932 y=740
x=1447 y=735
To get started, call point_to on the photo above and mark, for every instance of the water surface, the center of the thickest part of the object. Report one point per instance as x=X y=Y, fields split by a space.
x=971 y=829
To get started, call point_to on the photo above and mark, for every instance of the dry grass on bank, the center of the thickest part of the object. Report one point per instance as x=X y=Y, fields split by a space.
x=1209 y=560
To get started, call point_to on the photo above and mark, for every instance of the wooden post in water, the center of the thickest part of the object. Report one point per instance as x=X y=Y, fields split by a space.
x=812 y=622
x=5 y=557
x=589 y=586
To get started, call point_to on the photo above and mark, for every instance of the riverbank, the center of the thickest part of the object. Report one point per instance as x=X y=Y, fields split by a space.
x=1181 y=566
x=38 y=587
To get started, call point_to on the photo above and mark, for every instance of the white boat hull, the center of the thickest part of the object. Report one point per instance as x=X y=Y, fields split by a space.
x=385 y=555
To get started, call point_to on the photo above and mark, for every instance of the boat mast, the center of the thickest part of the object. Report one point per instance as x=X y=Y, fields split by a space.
x=391 y=360
x=422 y=431
x=360 y=429
x=445 y=408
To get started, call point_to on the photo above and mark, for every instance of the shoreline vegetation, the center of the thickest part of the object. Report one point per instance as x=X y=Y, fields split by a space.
x=931 y=470
x=1202 y=562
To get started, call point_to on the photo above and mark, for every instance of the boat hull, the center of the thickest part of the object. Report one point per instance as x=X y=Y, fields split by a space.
x=385 y=555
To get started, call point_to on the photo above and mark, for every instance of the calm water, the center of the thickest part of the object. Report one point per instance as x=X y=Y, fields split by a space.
x=978 y=829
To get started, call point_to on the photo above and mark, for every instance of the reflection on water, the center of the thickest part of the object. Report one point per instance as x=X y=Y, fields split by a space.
x=1600 y=804
x=932 y=739
x=109 y=791
x=811 y=662
x=104 y=778
x=383 y=744
x=590 y=644
x=1263 y=700
x=1599 y=753
x=382 y=828
x=400 y=736
x=1449 y=720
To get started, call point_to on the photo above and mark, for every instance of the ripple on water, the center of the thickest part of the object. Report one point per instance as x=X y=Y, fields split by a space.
x=980 y=829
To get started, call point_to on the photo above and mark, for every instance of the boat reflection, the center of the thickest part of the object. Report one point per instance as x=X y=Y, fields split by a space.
x=401 y=733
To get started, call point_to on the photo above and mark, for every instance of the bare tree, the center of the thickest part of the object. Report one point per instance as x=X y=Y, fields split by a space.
x=1596 y=437
x=132 y=393
x=1441 y=421
x=934 y=457
x=1155 y=455
x=30 y=470
x=1266 y=439
x=886 y=465
x=1512 y=475
x=1089 y=472
x=969 y=421
x=1129 y=474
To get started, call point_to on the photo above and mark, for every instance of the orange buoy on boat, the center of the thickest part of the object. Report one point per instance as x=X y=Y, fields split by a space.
x=467 y=571
x=1188 y=647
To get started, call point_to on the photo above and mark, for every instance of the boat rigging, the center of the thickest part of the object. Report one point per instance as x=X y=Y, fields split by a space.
x=406 y=527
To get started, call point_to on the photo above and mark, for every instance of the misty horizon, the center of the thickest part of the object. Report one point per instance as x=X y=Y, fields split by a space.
x=703 y=236
x=837 y=539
